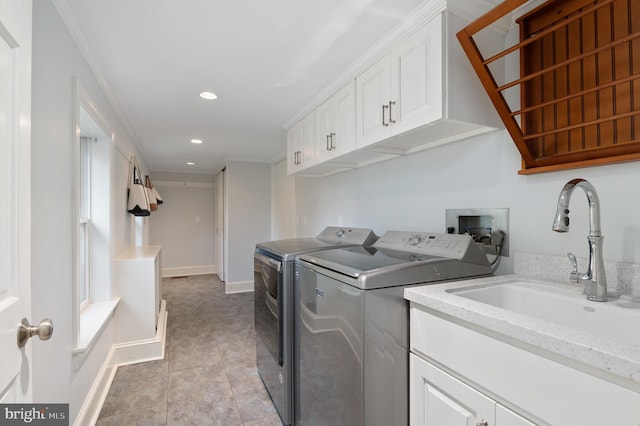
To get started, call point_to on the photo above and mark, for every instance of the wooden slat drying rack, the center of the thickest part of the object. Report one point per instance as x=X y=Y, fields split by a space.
x=579 y=83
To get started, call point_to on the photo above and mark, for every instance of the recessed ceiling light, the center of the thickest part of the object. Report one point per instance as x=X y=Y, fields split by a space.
x=196 y=141
x=189 y=163
x=208 y=96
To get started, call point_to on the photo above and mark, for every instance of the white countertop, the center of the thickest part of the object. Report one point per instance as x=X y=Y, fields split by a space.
x=607 y=355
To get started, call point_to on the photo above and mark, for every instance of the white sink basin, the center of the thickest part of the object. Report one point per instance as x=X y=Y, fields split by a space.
x=617 y=319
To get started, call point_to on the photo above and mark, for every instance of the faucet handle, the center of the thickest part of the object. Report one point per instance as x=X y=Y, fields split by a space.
x=575 y=275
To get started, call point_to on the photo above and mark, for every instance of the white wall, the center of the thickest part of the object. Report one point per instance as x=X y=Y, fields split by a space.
x=412 y=193
x=248 y=213
x=58 y=376
x=283 y=211
x=184 y=225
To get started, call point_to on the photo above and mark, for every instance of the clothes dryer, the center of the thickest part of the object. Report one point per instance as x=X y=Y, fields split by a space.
x=273 y=299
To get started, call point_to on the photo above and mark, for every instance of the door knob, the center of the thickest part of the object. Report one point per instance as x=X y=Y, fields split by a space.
x=44 y=330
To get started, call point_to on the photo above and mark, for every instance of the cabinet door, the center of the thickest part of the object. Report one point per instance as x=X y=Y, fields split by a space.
x=373 y=87
x=294 y=148
x=344 y=133
x=417 y=78
x=301 y=144
x=436 y=398
x=308 y=140
x=325 y=127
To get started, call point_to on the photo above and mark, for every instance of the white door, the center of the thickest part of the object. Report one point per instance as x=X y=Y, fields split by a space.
x=15 y=183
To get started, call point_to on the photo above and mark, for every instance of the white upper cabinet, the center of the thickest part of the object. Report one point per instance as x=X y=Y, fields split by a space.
x=335 y=124
x=404 y=89
x=417 y=70
x=373 y=89
x=301 y=144
x=418 y=91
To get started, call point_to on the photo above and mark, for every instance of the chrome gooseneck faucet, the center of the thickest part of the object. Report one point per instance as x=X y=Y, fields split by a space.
x=594 y=279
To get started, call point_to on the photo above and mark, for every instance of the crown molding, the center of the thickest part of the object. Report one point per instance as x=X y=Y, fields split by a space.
x=80 y=38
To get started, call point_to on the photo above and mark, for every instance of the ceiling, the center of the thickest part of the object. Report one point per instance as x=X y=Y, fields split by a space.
x=264 y=59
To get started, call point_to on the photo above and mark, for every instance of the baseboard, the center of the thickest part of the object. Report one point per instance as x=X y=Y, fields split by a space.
x=90 y=410
x=122 y=354
x=238 y=287
x=144 y=350
x=182 y=271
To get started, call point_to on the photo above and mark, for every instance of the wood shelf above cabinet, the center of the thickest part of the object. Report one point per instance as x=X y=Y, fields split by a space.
x=576 y=101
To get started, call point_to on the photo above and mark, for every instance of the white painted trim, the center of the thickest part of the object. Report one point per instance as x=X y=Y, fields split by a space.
x=147 y=349
x=93 y=320
x=122 y=354
x=182 y=184
x=238 y=287
x=181 y=271
x=90 y=410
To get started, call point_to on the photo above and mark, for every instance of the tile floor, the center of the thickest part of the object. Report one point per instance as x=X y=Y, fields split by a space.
x=208 y=375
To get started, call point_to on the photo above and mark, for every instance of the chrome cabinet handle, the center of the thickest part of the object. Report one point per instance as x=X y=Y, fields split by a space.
x=328 y=143
x=333 y=145
x=391 y=103
x=482 y=422
x=44 y=330
x=383 y=108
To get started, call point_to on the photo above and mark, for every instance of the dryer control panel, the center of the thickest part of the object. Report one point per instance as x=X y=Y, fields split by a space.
x=355 y=236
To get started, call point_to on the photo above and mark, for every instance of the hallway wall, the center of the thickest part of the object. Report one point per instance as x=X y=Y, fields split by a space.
x=248 y=212
x=184 y=224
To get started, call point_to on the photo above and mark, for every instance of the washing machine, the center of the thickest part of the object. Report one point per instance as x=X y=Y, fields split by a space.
x=352 y=323
x=273 y=298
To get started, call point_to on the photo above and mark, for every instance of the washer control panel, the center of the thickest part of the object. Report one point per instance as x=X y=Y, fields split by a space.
x=435 y=244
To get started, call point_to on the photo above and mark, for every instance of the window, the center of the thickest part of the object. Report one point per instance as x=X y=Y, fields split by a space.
x=84 y=223
x=93 y=301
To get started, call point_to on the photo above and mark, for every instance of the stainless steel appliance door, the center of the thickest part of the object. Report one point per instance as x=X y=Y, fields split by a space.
x=329 y=350
x=271 y=359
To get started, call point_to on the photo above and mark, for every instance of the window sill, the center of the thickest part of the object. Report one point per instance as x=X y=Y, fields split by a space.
x=93 y=320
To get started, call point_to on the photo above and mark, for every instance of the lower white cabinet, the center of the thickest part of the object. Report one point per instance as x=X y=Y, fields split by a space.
x=461 y=375
x=437 y=398
x=137 y=283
